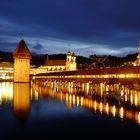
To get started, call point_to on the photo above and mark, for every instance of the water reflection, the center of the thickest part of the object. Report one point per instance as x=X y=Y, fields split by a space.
x=21 y=100
x=6 y=92
x=115 y=100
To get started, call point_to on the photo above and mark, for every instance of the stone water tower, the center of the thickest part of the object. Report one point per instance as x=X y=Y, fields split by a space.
x=22 y=58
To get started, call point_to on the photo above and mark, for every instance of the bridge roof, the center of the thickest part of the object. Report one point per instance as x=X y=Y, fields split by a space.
x=103 y=71
x=22 y=51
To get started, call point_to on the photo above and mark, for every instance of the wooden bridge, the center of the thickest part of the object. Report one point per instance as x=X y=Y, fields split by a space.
x=122 y=75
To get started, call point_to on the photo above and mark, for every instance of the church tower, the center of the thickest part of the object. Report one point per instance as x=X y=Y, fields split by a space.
x=74 y=65
x=68 y=60
x=71 y=61
x=22 y=58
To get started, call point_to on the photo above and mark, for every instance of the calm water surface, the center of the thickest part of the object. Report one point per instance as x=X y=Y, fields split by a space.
x=97 y=111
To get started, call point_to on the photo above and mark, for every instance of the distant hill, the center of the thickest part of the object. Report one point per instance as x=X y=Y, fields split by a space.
x=6 y=56
x=40 y=59
x=82 y=62
x=112 y=61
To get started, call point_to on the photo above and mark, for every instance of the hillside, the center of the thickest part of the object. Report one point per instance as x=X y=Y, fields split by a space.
x=82 y=62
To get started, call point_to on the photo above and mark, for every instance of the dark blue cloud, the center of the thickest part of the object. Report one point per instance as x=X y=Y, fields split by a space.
x=109 y=24
x=38 y=47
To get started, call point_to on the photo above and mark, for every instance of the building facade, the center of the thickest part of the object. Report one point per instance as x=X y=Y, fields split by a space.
x=57 y=65
x=6 y=71
x=71 y=61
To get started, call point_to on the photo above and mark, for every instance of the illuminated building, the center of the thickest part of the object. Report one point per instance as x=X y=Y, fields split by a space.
x=71 y=61
x=6 y=70
x=57 y=65
x=22 y=58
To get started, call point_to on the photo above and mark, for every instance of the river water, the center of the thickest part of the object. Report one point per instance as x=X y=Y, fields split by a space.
x=96 y=111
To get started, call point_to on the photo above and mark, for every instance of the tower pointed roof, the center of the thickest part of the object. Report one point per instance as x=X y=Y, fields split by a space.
x=22 y=51
x=73 y=54
x=68 y=53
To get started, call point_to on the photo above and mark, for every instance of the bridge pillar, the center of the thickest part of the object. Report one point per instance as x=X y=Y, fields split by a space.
x=102 y=88
x=87 y=88
x=83 y=86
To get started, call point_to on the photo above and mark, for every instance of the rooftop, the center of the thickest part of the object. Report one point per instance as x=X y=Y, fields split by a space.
x=22 y=51
x=55 y=63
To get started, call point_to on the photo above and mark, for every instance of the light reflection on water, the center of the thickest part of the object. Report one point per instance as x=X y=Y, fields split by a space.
x=21 y=100
x=6 y=92
x=113 y=100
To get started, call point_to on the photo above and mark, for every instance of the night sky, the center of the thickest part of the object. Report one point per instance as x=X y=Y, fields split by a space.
x=83 y=26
